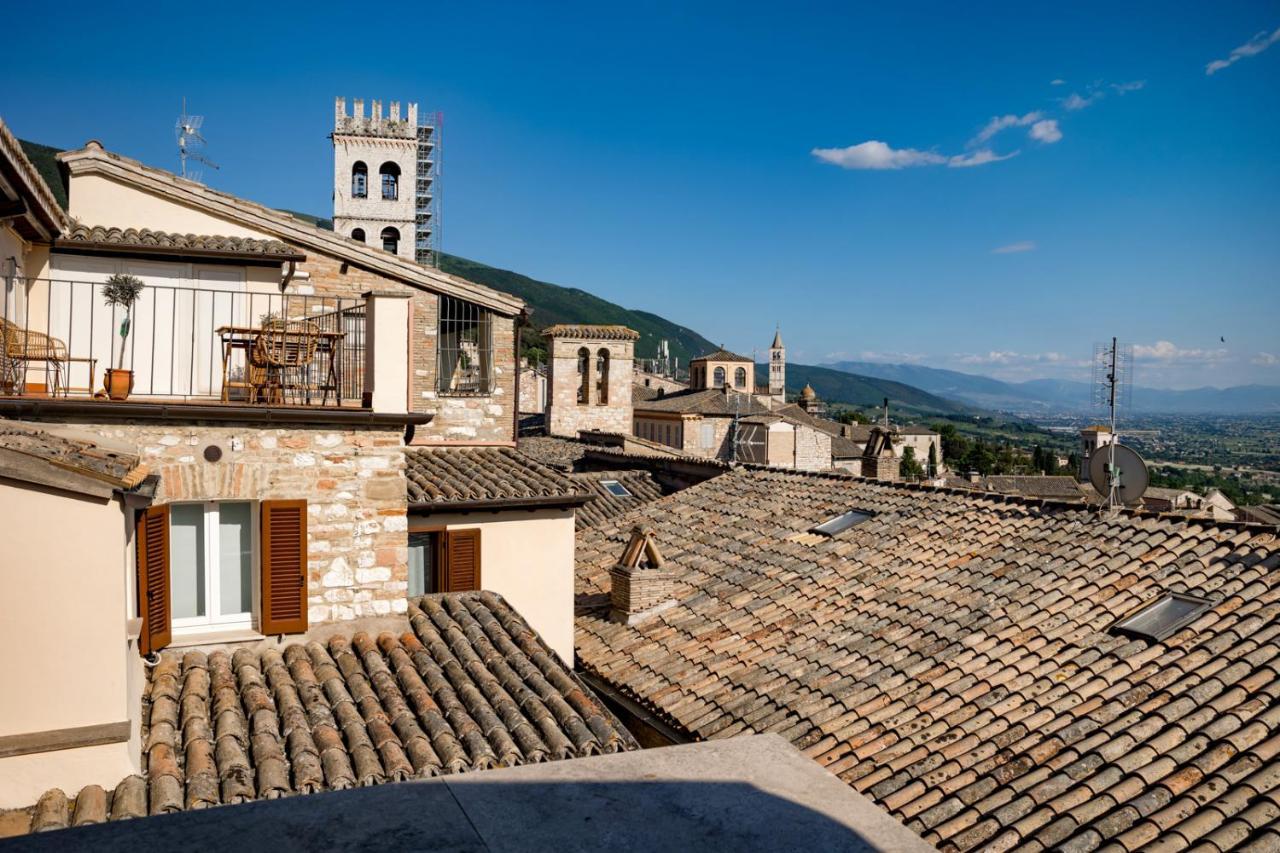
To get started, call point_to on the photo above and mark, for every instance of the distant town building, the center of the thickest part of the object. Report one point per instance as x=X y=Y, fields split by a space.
x=1091 y=438
x=720 y=368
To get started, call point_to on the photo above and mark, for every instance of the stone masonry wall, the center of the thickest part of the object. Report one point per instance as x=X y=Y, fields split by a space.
x=813 y=449
x=565 y=415
x=353 y=482
x=457 y=418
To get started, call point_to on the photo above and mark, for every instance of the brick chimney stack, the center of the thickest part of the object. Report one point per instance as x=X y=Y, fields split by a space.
x=640 y=586
x=879 y=461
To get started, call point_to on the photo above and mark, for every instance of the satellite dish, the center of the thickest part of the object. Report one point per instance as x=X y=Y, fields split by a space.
x=1129 y=474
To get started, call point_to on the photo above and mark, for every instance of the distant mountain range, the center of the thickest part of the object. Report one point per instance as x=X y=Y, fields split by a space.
x=1062 y=395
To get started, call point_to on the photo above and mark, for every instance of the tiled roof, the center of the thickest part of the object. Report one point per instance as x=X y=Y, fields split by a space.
x=705 y=401
x=842 y=446
x=950 y=657
x=1066 y=488
x=62 y=456
x=144 y=238
x=608 y=506
x=27 y=182
x=470 y=687
x=551 y=450
x=604 y=333
x=454 y=477
x=722 y=354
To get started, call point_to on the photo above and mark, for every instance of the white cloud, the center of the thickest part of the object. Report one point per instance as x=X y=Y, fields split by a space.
x=1015 y=248
x=1046 y=131
x=1266 y=359
x=1075 y=102
x=1057 y=81
x=1252 y=47
x=892 y=357
x=978 y=158
x=1167 y=352
x=1132 y=86
x=999 y=123
x=1010 y=358
x=874 y=154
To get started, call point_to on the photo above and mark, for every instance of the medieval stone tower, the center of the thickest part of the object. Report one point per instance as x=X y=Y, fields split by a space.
x=778 y=369
x=590 y=370
x=383 y=179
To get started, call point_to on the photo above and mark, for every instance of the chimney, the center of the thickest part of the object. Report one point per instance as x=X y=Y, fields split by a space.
x=879 y=462
x=640 y=586
x=974 y=477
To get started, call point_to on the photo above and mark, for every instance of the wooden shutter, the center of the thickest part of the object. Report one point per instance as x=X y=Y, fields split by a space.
x=284 y=567
x=461 y=563
x=151 y=547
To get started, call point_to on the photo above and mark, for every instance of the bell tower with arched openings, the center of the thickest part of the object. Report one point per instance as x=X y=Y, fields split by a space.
x=778 y=368
x=383 y=179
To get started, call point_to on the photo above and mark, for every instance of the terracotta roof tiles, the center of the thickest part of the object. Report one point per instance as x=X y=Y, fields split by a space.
x=144 y=238
x=607 y=506
x=950 y=657
x=469 y=687
x=590 y=332
x=470 y=476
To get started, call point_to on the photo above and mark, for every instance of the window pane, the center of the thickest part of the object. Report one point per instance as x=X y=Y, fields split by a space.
x=235 y=558
x=186 y=560
x=422 y=558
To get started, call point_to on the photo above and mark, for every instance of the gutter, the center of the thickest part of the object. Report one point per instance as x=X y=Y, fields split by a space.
x=536 y=502
x=644 y=715
x=27 y=408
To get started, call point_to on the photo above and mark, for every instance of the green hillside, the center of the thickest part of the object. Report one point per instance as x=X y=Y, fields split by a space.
x=836 y=386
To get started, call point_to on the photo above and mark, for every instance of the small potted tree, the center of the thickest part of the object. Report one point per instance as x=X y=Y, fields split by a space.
x=122 y=291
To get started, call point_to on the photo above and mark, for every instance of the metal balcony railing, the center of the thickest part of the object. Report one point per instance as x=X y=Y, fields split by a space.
x=224 y=342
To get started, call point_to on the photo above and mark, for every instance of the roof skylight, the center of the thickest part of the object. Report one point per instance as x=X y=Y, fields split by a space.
x=832 y=526
x=1162 y=617
x=615 y=488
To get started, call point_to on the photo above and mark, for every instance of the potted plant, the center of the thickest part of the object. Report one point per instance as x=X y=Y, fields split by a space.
x=122 y=291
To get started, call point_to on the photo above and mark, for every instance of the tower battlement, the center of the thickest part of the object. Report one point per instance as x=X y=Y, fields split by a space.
x=392 y=126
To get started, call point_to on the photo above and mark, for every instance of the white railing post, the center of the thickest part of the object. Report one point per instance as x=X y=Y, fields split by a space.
x=386 y=352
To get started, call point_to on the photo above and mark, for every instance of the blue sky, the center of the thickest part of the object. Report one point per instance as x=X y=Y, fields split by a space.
x=710 y=162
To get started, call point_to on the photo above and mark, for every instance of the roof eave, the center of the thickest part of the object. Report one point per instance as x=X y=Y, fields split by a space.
x=96 y=160
x=484 y=504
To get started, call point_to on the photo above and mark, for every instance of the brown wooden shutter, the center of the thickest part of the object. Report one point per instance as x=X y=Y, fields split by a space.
x=461 y=560
x=151 y=547
x=284 y=567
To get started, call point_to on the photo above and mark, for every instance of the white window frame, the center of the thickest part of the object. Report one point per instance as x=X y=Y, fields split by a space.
x=707 y=435
x=213 y=579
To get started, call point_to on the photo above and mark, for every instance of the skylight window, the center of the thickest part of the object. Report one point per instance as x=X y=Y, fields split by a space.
x=1162 y=617
x=832 y=526
x=615 y=488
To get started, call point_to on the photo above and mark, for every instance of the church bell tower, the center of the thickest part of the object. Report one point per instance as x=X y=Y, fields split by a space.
x=778 y=369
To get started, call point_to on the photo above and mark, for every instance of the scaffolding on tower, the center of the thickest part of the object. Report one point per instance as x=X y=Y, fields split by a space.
x=427 y=192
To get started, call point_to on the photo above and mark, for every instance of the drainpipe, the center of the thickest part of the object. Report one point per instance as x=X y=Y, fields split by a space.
x=288 y=276
x=521 y=319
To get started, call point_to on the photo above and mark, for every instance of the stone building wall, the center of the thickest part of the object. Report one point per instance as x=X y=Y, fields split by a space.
x=565 y=415
x=352 y=479
x=486 y=417
x=813 y=449
x=721 y=442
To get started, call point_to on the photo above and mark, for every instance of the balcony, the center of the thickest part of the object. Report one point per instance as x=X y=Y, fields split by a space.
x=231 y=345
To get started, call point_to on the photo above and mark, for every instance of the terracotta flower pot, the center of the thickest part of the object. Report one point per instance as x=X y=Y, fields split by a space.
x=119 y=383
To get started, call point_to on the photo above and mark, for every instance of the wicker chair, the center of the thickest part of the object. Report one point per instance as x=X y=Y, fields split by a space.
x=20 y=347
x=285 y=350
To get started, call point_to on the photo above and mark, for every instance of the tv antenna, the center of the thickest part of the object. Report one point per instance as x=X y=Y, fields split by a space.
x=190 y=143
x=1118 y=473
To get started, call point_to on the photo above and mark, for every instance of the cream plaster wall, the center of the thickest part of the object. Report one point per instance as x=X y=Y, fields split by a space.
x=527 y=558
x=99 y=200
x=64 y=648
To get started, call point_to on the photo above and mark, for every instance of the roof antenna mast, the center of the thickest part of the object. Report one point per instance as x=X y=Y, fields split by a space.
x=190 y=143
x=1119 y=474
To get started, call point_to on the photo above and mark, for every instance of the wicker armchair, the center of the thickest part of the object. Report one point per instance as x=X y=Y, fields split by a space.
x=20 y=347
x=285 y=350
